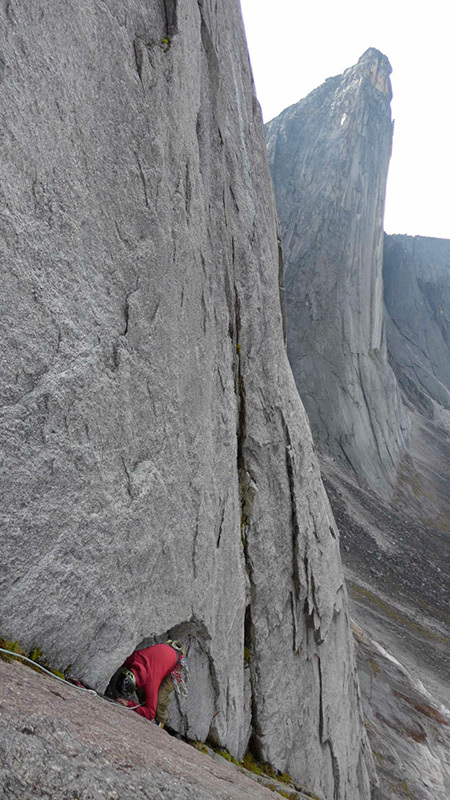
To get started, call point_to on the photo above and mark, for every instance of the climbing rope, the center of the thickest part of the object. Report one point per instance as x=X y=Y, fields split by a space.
x=66 y=683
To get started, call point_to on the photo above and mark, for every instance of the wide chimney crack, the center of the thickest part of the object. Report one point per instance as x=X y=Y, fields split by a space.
x=246 y=490
x=325 y=741
x=171 y=12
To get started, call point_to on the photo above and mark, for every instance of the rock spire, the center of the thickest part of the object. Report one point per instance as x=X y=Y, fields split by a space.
x=329 y=156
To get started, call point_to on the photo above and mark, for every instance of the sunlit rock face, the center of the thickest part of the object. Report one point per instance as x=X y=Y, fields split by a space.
x=159 y=469
x=329 y=156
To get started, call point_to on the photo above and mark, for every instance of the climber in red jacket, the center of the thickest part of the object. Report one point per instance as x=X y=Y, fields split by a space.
x=149 y=677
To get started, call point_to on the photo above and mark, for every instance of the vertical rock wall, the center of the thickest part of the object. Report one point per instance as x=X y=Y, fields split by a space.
x=416 y=277
x=158 y=469
x=329 y=157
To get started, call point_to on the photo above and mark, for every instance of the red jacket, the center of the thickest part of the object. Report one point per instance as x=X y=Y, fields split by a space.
x=150 y=667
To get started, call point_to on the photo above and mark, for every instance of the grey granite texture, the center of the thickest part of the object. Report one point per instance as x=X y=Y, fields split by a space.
x=375 y=381
x=60 y=743
x=416 y=275
x=409 y=730
x=397 y=566
x=329 y=157
x=158 y=472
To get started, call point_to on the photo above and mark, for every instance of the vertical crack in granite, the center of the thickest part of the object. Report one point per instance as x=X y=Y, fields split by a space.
x=326 y=743
x=194 y=548
x=213 y=65
x=126 y=307
x=221 y=521
x=139 y=54
x=246 y=497
x=295 y=524
x=282 y=287
x=295 y=595
x=129 y=487
x=171 y=11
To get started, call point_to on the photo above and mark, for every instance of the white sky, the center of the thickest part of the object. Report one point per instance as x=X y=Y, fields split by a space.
x=295 y=45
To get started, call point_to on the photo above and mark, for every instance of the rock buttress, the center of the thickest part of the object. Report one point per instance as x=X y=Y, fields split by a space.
x=159 y=469
x=329 y=157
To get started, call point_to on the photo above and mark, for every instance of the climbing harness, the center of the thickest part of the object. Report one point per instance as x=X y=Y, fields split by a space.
x=180 y=671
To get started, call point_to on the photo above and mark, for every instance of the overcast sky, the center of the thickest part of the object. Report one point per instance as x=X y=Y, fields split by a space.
x=294 y=46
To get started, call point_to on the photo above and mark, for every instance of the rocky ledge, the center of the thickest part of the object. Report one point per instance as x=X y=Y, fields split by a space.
x=62 y=743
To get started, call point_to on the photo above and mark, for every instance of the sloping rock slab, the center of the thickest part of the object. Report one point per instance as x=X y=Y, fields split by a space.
x=60 y=743
x=289 y=789
x=398 y=573
x=408 y=730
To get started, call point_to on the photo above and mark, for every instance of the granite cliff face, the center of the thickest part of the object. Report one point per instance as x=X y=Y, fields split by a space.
x=416 y=274
x=417 y=296
x=329 y=156
x=158 y=469
x=384 y=442
x=409 y=730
